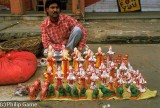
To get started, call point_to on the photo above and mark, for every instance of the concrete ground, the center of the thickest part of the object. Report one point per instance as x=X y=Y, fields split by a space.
x=144 y=57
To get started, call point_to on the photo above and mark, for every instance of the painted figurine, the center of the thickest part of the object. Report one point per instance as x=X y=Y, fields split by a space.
x=99 y=58
x=75 y=56
x=59 y=77
x=68 y=91
x=110 y=53
x=106 y=92
x=22 y=90
x=95 y=94
x=44 y=92
x=65 y=62
x=51 y=91
x=93 y=78
x=75 y=93
x=34 y=89
x=87 y=56
x=51 y=63
x=83 y=92
x=92 y=59
x=71 y=79
x=135 y=93
x=61 y=91
x=104 y=77
x=48 y=76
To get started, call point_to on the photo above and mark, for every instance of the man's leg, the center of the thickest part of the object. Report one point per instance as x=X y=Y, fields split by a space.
x=74 y=38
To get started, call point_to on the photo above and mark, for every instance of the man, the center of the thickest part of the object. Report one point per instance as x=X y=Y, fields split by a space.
x=59 y=29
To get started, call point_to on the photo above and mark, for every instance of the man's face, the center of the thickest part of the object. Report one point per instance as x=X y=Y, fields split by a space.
x=53 y=10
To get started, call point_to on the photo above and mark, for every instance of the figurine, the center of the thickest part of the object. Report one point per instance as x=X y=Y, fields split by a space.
x=140 y=84
x=106 y=92
x=119 y=87
x=51 y=91
x=110 y=82
x=71 y=79
x=75 y=93
x=51 y=63
x=102 y=67
x=61 y=91
x=44 y=92
x=93 y=78
x=59 y=77
x=87 y=56
x=95 y=94
x=89 y=71
x=34 y=89
x=125 y=59
x=83 y=78
x=75 y=56
x=83 y=92
x=92 y=59
x=68 y=91
x=99 y=59
x=123 y=68
x=79 y=60
x=135 y=93
x=22 y=90
x=113 y=69
x=65 y=62
x=104 y=77
x=110 y=52
x=49 y=50
x=48 y=76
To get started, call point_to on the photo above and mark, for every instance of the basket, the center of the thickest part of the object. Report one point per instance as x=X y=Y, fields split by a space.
x=31 y=44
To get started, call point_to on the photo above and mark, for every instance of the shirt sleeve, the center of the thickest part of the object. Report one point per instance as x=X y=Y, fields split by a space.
x=46 y=40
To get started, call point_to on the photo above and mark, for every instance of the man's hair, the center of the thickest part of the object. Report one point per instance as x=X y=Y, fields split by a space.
x=49 y=2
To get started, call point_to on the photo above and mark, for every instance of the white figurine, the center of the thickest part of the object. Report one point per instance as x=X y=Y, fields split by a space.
x=93 y=79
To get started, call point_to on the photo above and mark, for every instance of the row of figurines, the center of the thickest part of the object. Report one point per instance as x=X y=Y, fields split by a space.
x=121 y=75
x=49 y=91
x=52 y=55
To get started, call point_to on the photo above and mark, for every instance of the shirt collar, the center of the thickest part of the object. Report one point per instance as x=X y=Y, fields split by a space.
x=48 y=23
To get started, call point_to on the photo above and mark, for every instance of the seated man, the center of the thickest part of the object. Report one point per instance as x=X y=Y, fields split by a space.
x=59 y=29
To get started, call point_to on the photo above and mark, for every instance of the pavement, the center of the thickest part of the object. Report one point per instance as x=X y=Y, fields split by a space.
x=137 y=34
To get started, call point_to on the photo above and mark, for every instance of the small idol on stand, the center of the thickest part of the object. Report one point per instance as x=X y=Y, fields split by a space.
x=104 y=77
x=83 y=92
x=95 y=94
x=79 y=60
x=93 y=79
x=65 y=62
x=59 y=77
x=106 y=92
x=49 y=50
x=51 y=91
x=83 y=78
x=119 y=87
x=110 y=53
x=102 y=67
x=99 y=58
x=48 y=76
x=92 y=59
x=123 y=68
x=75 y=93
x=75 y=56
x=71 y=79
x=141 y=84
x=68 y=91
x=89 y=72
